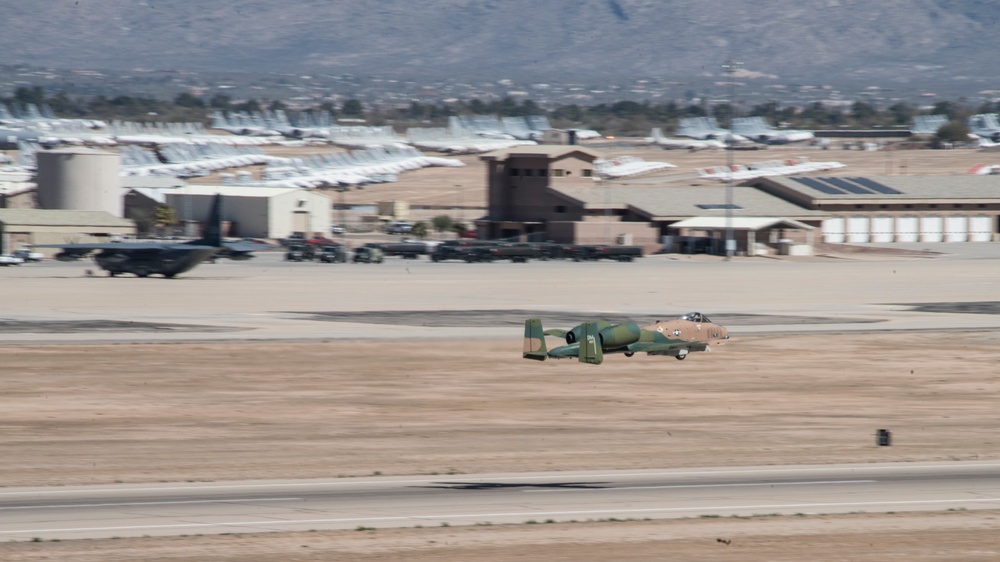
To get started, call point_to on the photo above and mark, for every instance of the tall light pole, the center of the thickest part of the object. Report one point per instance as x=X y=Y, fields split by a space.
x=730 y=67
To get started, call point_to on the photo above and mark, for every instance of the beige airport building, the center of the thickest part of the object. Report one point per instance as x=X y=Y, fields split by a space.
x=23 y=227
x=551 y=193
x=257 y=212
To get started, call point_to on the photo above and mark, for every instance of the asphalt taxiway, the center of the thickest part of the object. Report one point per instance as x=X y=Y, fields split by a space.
x=274 y=506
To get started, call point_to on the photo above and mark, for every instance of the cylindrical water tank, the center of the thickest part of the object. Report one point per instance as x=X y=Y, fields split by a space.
x=81 y=179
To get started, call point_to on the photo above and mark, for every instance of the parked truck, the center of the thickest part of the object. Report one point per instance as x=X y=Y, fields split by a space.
x=603 y=252
x=516 y=253
x=332 y=253
x=406 y=250
x=28 y=256
x=366 y=254
x=295 y=252
x=462 y=249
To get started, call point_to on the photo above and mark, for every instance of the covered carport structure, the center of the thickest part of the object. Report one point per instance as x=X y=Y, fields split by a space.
x=753 y=235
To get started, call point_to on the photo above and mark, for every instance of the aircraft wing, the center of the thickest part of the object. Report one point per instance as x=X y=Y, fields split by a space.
x=244 y=246
x=668 y=347
x=563 y=351
x=106 y=246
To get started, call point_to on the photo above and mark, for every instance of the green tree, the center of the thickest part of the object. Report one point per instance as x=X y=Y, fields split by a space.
x=569 y=113
x=767 y=110
x=352 y=108
x=30 y=94
x=723 y=113
x=477 y=107
x=864 y=114
x=945 y=108
x=61 y=104
x=627 y=109
x=164 y=215
x=328 y=107
x=901 y=113
x=529 y=107
x=507 y=107
x=420 y=230
x=442 y=223
x=220 y=101
x=249 y=106
x=459 y=228
x=951 y=132
x=187 y=99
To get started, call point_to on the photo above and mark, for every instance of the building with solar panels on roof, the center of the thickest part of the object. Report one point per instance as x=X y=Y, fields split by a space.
x=550 y=194
x=895 y=209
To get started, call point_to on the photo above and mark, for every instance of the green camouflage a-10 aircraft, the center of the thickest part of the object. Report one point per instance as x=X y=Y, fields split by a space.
x=589 y=341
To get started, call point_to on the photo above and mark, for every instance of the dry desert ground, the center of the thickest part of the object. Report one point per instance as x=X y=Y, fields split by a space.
x=269 y=393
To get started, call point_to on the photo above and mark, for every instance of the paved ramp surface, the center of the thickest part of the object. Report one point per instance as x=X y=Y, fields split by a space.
x=269 y=299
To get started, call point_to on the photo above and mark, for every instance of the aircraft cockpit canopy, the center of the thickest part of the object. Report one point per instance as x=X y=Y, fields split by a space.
x=695 y=317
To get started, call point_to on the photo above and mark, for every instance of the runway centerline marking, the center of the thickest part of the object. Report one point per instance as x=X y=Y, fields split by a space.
x=759 y=484
x=132 y=504
x=905 y=467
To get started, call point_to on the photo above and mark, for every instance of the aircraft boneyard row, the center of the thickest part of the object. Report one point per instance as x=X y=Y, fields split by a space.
x=588 y=342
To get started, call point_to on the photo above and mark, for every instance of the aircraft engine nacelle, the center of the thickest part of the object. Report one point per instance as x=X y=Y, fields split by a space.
x=577 y=333
x=68 y=256
x=620 y=335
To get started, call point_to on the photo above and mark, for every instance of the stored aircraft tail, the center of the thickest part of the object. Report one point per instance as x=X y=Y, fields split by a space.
x=213 y=226
x=534 y=340
x=591 y=349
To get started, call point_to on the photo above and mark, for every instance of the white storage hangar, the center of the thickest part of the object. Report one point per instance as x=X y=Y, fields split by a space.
x=257 y=212
x=897 y=209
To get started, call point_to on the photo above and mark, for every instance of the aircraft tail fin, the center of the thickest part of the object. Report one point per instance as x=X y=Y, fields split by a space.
x=213 y=226
x=591 y=350
x=534 y=340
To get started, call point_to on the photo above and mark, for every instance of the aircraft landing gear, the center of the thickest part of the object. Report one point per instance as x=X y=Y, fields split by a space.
x=629 y=353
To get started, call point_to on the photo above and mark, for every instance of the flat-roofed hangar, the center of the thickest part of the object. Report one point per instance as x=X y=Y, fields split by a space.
x=23 y=227
x=888 y=209
x=259 y=212
x=549 y=193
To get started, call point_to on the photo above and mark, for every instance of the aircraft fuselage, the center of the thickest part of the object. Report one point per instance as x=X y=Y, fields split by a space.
x=169 y=261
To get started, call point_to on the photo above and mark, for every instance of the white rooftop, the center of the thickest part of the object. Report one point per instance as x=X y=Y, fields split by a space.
x=233 y=190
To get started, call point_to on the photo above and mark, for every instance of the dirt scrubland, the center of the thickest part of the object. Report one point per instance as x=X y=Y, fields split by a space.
x=222 y=411
x=226 y=411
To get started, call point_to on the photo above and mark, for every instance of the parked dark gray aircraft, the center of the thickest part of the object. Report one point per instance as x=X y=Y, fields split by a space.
x=147 y=258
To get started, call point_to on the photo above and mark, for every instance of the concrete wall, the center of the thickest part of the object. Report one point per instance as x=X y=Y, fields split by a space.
x=23 y=200
x=642 y=234
x=319 y=208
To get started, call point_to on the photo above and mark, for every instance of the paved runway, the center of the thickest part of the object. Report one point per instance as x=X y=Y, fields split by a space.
x=268 y=299
x=239 y=507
